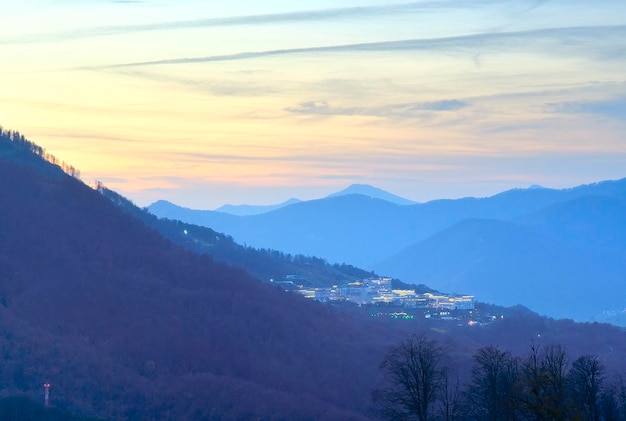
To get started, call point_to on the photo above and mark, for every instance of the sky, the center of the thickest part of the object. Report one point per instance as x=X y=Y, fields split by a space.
x=205 y=103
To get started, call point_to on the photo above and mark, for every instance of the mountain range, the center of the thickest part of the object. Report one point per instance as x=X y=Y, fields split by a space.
x=362 y=189
x=500 y=248
x=243 y=210
x=125 y=323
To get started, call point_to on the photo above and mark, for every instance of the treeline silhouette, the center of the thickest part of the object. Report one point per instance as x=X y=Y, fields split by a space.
x=19 y=142
x=546 y=384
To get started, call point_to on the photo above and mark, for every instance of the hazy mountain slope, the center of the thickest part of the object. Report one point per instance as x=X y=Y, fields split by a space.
x=243 y=210
x=361 y=230
x=362 y=189
x=264 y=264
x=596 y=221
x=374 y=193
x=165 y=209
x=340 y=229
x=565 y=260
x=127 y=325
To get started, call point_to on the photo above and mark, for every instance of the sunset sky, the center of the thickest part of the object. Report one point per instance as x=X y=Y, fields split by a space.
x=204 y=103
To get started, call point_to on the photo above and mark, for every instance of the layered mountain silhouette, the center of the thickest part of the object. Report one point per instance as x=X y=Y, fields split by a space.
x=566 y=260
x=363 y=230
x=437 y=243
x=362 y=189
x=243 y=210
x=340 y=229
x=125 y=324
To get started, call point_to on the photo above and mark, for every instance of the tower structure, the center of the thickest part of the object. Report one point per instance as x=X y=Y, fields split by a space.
x=46 y=394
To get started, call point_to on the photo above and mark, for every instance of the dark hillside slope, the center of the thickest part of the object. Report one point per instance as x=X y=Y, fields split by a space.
x=124 y=324
x=262 y=263
x=20 y=408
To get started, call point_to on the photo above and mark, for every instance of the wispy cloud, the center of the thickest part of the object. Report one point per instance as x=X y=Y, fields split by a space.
x=362 y=12
x=342 y=177
x=219 y=87
x=322 y=108
x=279 y=156
x=615 y=108
x=557 y=40
x=444 y=105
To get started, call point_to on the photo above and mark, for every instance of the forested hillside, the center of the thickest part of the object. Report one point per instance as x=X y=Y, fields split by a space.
x=265 y=264
x=20 y=408
x=126 y=324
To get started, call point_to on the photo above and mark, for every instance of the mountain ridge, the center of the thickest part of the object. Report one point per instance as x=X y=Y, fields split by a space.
x=249 y=210
x=374 y=234
x=545 y=260
x=362 y=231
x=373 y=192
x=244 y=210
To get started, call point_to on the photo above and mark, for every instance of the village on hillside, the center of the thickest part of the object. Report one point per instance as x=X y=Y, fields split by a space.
x=379 y=296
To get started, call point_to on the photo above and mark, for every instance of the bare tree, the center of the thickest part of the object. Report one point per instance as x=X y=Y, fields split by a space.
x=412 y=379
x=544 y=378
x=491 y=396
x=613 y=401
x=585 y=380
x=450 y=402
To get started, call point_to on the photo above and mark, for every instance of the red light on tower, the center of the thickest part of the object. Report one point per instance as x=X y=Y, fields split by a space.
x=46 y=394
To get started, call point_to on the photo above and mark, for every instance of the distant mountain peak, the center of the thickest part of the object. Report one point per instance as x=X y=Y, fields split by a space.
x=245 y=210
x=371 y=191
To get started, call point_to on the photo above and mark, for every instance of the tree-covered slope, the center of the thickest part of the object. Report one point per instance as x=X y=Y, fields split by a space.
x=264 y=264
x=125 y=324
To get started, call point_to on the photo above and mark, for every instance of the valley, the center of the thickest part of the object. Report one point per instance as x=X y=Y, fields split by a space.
x=129 y=316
